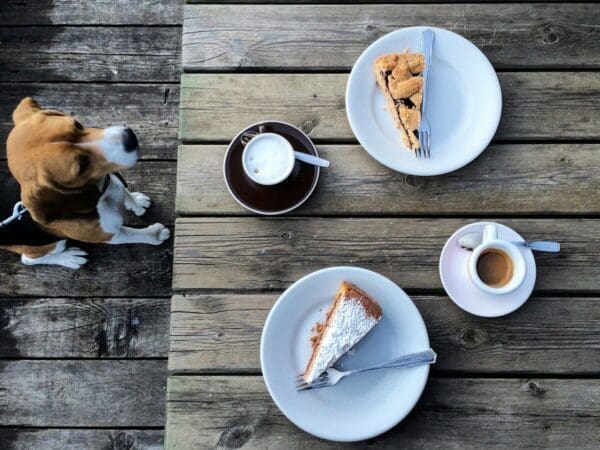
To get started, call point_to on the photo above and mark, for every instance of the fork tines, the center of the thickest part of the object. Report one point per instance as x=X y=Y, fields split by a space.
x=427 y=145
x=424 y=145
x=302 y=385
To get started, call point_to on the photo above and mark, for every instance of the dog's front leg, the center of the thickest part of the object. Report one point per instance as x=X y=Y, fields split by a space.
x=154 y=235
x=136 y=202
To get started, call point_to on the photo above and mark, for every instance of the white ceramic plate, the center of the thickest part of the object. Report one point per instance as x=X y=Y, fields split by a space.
x=364 y=405
x=464 y=103
x=463 y=292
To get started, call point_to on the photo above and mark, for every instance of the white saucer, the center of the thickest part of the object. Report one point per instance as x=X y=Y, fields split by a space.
x=462 y=291
x=364 y=405
x=464 y=106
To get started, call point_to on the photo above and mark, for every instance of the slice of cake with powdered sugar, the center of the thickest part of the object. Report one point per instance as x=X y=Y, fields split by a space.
x=353 y=314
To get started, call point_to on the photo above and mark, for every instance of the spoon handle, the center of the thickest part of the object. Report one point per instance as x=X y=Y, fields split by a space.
x=310 y=159
x=542 y=246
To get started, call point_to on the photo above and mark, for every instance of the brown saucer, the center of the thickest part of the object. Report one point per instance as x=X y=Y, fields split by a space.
x=280 y=198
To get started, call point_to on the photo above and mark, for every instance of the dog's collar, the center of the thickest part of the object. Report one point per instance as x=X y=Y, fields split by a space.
x=107 y=181
x=105 y=185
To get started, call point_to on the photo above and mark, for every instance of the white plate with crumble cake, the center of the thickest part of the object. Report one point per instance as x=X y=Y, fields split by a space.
x=383 y=101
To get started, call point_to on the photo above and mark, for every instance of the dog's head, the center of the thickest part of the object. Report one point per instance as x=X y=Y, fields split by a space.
x=52 y=149
x=50 y=152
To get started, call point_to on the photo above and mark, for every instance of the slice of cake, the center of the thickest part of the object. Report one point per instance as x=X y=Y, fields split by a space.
x=352 y=315
x=400 y=78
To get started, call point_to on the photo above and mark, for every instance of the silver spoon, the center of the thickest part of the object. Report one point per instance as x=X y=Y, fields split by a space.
x=471 y=240
x=311 y=159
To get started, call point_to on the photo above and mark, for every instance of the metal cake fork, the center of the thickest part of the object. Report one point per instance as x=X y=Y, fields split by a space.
x=332 y=376
x=424 y=127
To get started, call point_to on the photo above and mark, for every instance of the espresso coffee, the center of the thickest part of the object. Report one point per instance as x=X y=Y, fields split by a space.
x=495 y=267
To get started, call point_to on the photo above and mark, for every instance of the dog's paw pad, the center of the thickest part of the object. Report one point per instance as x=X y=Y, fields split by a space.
x=141 y=202
x=159 y=232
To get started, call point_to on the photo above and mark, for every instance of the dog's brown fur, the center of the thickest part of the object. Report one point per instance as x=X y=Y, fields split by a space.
x=30 y=251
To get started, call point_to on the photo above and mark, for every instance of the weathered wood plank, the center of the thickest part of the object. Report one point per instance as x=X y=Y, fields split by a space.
x=549 y=335
x=82 y=393
x=156 y=179
x=231 y=412
x=332 y=37
x=356 y=1
x=549 y=105
x=506 y=179
x=76 y=439
x=112 y=271
x=91 y=12
x=90 y=54
x=150 y=109
x=257 y=254
x=84 y=327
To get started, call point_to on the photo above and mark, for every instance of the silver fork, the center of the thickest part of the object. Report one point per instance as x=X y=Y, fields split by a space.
x=424 y=127
x=332 y=376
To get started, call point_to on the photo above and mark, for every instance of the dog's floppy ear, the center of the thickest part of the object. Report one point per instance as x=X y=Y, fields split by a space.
x=24 y=110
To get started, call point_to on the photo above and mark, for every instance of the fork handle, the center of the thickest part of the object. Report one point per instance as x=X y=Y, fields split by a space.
x=427 y=43
x=404 y=361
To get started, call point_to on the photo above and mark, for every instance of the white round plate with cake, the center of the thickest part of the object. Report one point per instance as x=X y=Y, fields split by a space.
x=361 y=406
x=464 y=102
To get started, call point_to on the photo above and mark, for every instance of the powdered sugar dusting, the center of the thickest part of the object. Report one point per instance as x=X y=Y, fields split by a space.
x=347 y=326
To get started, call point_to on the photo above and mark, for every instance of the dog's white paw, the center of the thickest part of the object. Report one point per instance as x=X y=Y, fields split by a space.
x=72 y=258
x=139 y=205
x=159 y=233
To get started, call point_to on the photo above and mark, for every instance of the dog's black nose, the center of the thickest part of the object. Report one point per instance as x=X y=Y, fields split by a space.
x=130 y=141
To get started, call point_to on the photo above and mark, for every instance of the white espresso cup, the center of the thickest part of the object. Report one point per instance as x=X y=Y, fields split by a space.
x=268 y=159
x=492 y=244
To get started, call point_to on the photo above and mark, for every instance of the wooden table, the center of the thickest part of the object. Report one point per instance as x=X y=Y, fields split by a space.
x=529 y=379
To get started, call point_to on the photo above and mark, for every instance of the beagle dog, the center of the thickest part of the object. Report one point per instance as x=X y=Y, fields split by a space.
x=66 y=175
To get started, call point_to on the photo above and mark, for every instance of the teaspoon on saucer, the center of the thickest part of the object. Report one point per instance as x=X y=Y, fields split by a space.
x=471 y=240
x=311 y=159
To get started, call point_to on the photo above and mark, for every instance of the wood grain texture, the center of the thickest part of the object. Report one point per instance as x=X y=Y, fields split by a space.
x=293 y=2
x=506 y=179
x=257 y=254
x=82 y=41
x=90 y=54
x=221 y=333
x=91 y=12
x=111 y=271
x=82 y=393
x=332 y=37
x=548 y=105
x=234 y=412
x=84 y=327
x=77 y=439
x=149 y=109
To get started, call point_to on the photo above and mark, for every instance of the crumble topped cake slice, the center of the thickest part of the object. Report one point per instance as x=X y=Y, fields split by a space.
x=352 y=315
x=400 y=78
